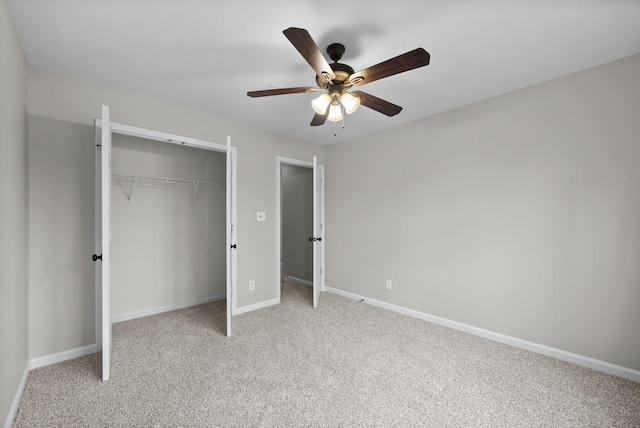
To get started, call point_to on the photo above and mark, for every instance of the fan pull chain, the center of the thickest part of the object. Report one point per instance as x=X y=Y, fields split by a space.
x=343 y=112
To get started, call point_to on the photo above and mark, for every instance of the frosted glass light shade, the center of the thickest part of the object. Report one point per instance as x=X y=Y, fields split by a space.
x=351 y=102
x=335 y=113
x=321 y=103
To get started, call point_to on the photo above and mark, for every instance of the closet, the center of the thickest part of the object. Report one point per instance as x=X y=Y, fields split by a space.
x=168 y=226
x=166 y=229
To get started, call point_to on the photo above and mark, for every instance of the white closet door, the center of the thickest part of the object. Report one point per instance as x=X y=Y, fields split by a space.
x=318 y=230
x=231 y=231
x=105 y=186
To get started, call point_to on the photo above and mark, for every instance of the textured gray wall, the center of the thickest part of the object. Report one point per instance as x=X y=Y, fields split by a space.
x=14 y=334
x=74 y=104
x=518 y=214
x=297 y=221
x=61 y=224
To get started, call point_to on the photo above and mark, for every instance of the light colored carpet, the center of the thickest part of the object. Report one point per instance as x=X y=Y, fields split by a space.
x=345 y=364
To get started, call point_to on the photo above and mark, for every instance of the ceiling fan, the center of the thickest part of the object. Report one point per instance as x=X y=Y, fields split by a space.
x=335 y=79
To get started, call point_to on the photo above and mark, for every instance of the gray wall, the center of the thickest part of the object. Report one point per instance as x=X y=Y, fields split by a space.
x=166 y=250
x=58 y=101
x=13 y=213
x=297 y=221
x=519 y=214
x=61 y=237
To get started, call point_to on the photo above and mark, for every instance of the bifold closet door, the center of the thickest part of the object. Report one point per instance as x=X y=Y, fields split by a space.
x=102 y=256
x=231 y=185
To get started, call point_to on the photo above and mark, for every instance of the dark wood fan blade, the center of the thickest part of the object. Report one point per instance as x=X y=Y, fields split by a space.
x=378 y=104
x=320 y=119
x=282 y=91
x=405 y=62
x=302 y=40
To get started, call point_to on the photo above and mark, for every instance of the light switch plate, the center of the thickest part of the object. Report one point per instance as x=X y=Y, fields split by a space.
x=262 y=216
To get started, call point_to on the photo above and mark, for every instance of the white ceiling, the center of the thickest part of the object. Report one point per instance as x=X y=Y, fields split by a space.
x=207 y=54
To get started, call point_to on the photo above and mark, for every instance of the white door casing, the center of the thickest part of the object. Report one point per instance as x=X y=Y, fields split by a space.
x=318 y=230
x=105 y=187
x=232 y=253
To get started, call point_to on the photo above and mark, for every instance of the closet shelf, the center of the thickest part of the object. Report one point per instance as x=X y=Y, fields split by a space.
x=131 y=179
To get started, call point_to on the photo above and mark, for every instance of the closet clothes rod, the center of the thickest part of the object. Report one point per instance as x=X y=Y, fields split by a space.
x=162 y=180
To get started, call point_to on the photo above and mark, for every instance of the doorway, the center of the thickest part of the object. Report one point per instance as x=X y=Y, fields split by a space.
x=168 y=227
x=300 y=224
x=296 y=223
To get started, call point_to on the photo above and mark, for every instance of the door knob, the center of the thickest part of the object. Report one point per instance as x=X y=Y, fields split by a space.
x=95 y=257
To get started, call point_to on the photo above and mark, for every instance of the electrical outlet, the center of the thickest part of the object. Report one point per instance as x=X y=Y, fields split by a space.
x=389 y=285
x=252 y=285
x=261 y=216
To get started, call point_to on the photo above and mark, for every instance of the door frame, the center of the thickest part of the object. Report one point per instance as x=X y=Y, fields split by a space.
x=307 y=164
x=318 y=231
x=164 y=137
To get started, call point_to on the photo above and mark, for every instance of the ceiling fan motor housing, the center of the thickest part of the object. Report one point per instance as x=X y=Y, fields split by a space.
x=342 y=71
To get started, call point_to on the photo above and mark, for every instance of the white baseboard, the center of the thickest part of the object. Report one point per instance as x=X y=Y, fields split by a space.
x=299 y=281
x=249 y=308
x=90 y=349
x=63 y=356
x=570 y=357
x=13 y=411
x=154 y=311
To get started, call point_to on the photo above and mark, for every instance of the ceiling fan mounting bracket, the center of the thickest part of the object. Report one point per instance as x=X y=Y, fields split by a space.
x=335 y=51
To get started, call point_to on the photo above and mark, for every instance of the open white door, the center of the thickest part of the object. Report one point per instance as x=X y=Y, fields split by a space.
x=231 y=231
x=105 y=226
x=318 y=230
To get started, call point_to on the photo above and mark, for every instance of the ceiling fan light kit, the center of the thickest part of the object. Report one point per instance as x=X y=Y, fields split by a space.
x=321 y=103
x=350 y=103
x=335 y=114
x=337 y=78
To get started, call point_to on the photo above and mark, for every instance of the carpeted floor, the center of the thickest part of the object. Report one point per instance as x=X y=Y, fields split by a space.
x=345 y=364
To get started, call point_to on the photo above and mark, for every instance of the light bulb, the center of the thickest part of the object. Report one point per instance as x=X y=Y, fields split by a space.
x=351 y=102
x=335 y=113
x=321 y=103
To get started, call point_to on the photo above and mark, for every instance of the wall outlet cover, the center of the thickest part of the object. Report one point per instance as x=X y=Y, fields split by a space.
x=262 y=216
